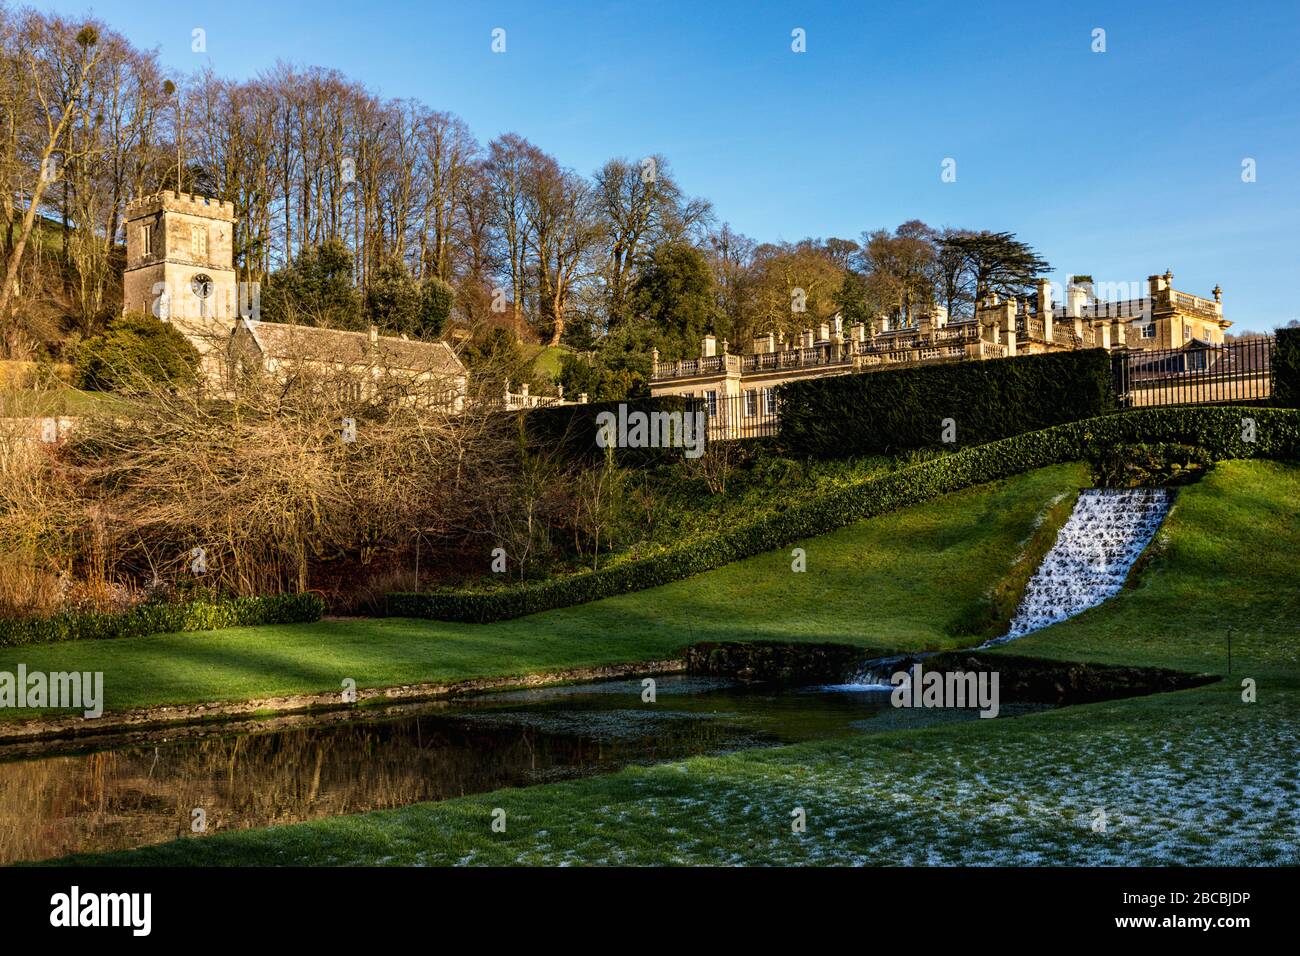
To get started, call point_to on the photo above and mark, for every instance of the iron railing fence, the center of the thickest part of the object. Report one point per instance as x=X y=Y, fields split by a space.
x=752 y=414
x=1195 y=374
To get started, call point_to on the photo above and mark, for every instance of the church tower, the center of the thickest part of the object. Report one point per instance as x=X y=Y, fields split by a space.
x=179 y=268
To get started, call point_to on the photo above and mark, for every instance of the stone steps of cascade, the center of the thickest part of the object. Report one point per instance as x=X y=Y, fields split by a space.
x=1091 y=558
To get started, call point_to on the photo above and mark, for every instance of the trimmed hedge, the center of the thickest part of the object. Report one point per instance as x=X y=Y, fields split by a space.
x=882 y=413
x=571 y=430
x=163 y=619
x=1286 y=368
x=1217 y=429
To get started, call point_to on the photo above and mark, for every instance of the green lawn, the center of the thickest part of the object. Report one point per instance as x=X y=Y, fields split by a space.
x=897 y=581
x=56 y=401
x=1196 y=777
x=546 y=360
x=1224 y=562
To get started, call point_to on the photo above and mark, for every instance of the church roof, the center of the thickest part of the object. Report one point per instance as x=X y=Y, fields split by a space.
x=335 y=346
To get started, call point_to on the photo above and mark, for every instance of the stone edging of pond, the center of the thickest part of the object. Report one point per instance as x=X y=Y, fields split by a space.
x=1023 y=679
x=179 y=714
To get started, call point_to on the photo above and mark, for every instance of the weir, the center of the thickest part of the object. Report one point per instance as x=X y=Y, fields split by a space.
x=1107 y=531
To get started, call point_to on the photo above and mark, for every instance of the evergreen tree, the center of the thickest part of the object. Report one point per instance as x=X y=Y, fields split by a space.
x=135 y=352
x=316 y=289
x=998 y=262
x=675 y=295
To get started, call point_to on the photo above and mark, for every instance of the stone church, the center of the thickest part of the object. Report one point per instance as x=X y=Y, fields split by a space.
x=179 y=267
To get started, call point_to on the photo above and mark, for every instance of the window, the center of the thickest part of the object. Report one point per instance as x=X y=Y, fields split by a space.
x=199 y=242
x=1149 y=330
x=751 y=403
x=770 y=395
x=712 y=398
x=146 y=241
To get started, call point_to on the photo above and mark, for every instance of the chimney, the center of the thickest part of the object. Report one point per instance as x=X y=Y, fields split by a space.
x=1077 y=297
x=709 y=346
x=1044 y=297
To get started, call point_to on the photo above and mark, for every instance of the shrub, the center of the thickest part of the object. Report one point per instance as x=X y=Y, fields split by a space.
x=579 y=374
x=495 y=357
x=890 y=411
x=135 y=351
x=436 y=301
x=1217 y=429
x=1286 y=367
x=398 y=303
x=163 y=619
x=392 y=298
x=570 y=430
x=1146 y=466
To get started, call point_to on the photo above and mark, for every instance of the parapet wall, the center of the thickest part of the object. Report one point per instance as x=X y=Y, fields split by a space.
x=188 y=203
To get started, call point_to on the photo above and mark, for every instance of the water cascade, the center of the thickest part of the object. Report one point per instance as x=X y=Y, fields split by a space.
x=1107 y=531
x=875 y=674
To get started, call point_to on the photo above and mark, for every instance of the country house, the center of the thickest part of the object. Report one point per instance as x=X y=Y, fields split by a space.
x=739 y=389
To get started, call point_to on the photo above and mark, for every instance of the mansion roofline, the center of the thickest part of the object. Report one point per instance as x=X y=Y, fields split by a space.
x=1165 y=318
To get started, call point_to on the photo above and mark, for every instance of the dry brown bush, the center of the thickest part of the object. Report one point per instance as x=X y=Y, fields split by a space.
x=35 y=527
x=265 y=484
x=270 y=483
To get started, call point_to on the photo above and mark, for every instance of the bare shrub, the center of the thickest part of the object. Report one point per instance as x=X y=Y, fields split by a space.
x=715 y=466
x=35 y=527
x=248 y=493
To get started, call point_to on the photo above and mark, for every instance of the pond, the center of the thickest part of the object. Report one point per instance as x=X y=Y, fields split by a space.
x=112 y=793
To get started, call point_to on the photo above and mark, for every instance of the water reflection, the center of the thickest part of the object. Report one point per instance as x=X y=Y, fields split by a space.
x=130 y=793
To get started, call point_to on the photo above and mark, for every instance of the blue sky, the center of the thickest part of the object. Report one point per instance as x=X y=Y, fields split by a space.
x=1118 y=164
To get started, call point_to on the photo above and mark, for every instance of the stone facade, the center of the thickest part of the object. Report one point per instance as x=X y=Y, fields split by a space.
x=179 y=267
x=742 y=385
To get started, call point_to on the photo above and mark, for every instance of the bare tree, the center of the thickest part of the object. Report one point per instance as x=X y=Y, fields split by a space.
x=57 y=65
x=643 y=206
x=510 y=166
x=564 y=231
